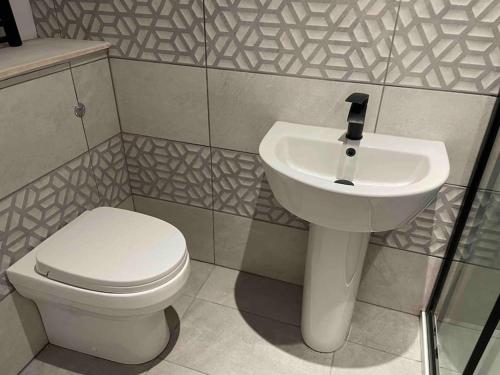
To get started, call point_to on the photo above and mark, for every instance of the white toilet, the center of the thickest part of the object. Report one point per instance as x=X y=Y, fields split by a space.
x=102 y=283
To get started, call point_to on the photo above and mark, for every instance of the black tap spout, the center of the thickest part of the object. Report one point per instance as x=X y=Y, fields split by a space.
x=356 y=117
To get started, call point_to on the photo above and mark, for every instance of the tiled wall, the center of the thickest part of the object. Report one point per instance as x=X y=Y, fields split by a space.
x=198 y=84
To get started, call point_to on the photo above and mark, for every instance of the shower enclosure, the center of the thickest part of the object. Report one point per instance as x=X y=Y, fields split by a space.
x=461 y=334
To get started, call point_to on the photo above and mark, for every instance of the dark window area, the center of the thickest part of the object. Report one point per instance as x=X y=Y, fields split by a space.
x=9 y=34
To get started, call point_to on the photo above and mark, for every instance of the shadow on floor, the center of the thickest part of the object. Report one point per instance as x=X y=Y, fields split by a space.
x=260 y=257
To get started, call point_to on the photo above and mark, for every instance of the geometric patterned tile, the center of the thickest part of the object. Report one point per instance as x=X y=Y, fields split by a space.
x=110 y=170
x=44 y=15
x=447 y=44
x=166 y=30
x=340 y=39
x=480 y=243
x=33 y=213
x=173 y=171
x=240 y=188
x=430 y=231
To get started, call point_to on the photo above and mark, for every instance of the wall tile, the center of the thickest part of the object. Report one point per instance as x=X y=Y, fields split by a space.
x=447 y=45
x=127 y=204
x=467 y=287
x=94 y=89
x=110 y=170
x=262 y=248
x=170 y=31
x=400 y=280
x=44 y=15
x=491 y=178
x=430 y=231
x=173 y=171
x=35 y=212
x=21 y=333
x=241 y=188
x=162 y=100
x=195 y=223
x=244 y=106
x=481 y=237
x=459 y=120
x=37 y=119
x=342 y=39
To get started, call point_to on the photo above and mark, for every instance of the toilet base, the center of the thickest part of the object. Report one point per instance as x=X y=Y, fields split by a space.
x=130 y=340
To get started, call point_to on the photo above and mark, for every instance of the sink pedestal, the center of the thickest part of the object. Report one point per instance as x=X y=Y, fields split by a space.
x=333 y=271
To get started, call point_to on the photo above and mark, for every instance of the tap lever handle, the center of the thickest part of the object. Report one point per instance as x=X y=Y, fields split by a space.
x=358 y=98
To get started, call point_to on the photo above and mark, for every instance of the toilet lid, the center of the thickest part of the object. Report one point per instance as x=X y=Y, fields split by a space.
x=112 y=250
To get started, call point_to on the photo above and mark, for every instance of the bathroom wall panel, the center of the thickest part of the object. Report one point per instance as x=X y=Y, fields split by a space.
x=32 y=214
x=258 y=247
x=479 y=242
x=241 y=188
x=168 y=31
x=169 y=170
x=110 y=170
x=344 y=40
x=44 y=15
x=459 y=120
x=94 y=89
x=162 y=100
x=473 y=286
x=21 y=333
x=195 y=223
x=430 y=231
x=244 y=106
x=401 y=280
x=447 y=45
x=39 y=129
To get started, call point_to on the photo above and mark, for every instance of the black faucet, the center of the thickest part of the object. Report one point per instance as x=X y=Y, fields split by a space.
x=356 y=117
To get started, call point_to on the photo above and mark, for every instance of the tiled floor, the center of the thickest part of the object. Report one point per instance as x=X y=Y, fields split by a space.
x=237 y=323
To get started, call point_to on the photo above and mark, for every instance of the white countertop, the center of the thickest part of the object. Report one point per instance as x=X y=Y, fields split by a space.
x=43 y=52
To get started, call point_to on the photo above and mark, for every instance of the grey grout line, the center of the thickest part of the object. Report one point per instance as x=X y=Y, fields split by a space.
x=184 y=366
x=354 y=82
x=91 y=164
x=111 y=56
x=34 y=357
x=209 y=124
x=387 y=66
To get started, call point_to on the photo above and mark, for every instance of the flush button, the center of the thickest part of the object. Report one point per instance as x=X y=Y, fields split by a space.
x=79 y=110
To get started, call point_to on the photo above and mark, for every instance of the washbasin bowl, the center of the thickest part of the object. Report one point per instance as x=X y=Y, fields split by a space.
x=395 y=177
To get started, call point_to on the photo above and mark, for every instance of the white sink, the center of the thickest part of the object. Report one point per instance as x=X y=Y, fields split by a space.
x=394 y=179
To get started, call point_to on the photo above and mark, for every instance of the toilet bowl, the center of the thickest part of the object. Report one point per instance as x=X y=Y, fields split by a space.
x=103 y=281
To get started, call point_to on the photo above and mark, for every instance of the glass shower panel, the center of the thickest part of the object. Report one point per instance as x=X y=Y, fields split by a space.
x=473 y=283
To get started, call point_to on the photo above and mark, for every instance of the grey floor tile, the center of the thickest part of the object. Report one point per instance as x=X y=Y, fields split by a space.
x=354 y=359
x=220 y=340
x=388 y=330
x=260 y=295
x=175 y=312
x=168 y=368
x=56 y=360
x=199 y=274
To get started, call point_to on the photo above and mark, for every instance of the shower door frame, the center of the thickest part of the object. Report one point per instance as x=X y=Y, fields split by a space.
x=429 y=339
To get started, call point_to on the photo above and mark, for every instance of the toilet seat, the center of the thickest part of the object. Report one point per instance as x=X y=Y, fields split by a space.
x=113 y=251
